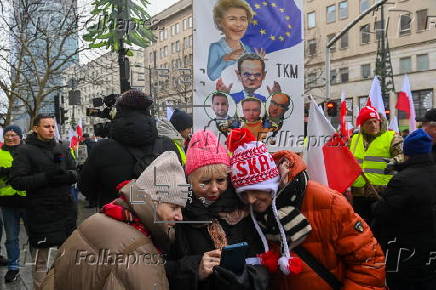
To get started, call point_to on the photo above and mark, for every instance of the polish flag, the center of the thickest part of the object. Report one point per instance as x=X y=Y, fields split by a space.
x=329 y=161
x=72 y=137
x=79 y=130
x=405 y=103
x=375 y=97
x=343 y=113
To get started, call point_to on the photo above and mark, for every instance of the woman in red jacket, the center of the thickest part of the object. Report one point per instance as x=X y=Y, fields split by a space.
x=304 y=219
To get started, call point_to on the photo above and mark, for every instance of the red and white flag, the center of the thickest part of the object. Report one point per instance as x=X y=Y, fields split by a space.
x=405 y=103
x=343 y=114
x=375 y=97
x=329 y=161
x=72 y=137
x=79 y=129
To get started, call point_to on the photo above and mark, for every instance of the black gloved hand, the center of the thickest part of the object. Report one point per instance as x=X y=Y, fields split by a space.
x=53 y=172
x=4 y=171
x=65 y=178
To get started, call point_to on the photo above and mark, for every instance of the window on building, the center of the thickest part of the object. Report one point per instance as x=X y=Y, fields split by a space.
x=166 y=33
x=349 y=103
x=344 y=41
x=311 y=80
x=166 y=50
x=362 y=102
x=177 y=28
x=333 y=77
x=161 y=54
x=364 y=5
x=365 y=71
x=405 y=24
x=173 y=47
x=161 y=35
x=331 y=13
x=311 y=44
x=343 y=72
x=185 y=24
x=190 y=22
x=421 y=19
x=190 y=40
x=330 y=37
x=405 y=65
x=423 y=101
x=177 y=45
x=422 y=62
x=141 y=76
x=311 y=20
x=173 y=30
x=365 y=34
x=343 y=10
x=379 y=30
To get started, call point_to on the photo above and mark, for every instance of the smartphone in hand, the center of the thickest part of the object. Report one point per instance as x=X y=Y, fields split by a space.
x=233 y=257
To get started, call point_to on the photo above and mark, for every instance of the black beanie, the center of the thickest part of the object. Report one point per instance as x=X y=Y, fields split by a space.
x=134 y=100
x=181 y=120
x=14 y=128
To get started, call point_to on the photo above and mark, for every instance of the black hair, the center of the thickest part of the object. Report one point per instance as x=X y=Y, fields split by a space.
x=218 y=94
x=41 y=116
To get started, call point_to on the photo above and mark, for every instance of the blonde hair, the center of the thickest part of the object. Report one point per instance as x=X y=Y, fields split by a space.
x=209 y=170
x=223 y=5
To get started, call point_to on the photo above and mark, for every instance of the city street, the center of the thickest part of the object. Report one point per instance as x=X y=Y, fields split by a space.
x=24 y=282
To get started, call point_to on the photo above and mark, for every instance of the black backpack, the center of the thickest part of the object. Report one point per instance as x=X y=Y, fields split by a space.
x=144 y=157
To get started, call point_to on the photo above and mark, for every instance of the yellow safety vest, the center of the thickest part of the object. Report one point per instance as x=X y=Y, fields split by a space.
x=5 y=189
x=371 y=160
x=181 y=152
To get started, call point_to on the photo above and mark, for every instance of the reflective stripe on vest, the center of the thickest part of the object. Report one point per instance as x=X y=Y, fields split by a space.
x=181 y=153
x=6 y=189
x=372 y=160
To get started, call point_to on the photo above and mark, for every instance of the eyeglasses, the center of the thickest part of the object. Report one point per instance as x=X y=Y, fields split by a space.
x=248 y=75
x=284 y=107
x=11 y=135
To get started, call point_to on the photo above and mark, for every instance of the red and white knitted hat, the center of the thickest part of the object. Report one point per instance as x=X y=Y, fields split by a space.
x=365 y=114
x=252 y=167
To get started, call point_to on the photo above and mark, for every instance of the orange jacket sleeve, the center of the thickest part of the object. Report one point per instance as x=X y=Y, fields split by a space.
x=357 y=248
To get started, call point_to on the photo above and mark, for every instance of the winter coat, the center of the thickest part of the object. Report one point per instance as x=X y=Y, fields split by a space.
x=51 y=211
x=340 y=240
x=193 y=240
x=406 y=218
x=110 y=161
x=18 y=199
x=106 y=253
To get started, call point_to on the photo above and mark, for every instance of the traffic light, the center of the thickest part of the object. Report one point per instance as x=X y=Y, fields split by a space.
x=332 y=109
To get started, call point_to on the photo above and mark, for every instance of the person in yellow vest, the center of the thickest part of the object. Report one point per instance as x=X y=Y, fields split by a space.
x=373 y=147
x=12 y=201
x=166 y=128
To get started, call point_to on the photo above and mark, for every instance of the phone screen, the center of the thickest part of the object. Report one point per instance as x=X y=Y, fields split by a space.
x=233 y=257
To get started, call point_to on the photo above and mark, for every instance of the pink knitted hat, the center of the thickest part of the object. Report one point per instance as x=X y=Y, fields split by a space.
x=205 y=149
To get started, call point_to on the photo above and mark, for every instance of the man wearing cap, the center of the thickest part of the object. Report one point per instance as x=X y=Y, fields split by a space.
x=182 y=121
x=429 y=125
x=12 y=201
x=405 y=218
x=133 y=139
x=372 y=147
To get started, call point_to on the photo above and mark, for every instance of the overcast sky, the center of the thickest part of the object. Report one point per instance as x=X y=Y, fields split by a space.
x=157 y=6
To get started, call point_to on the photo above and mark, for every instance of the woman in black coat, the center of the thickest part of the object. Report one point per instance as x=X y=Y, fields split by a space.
x=406 y=218
x=213 y=219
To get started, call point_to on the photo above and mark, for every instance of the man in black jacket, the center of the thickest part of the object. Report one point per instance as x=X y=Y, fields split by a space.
x=46 y=170
x=406 y=218
x=133 y=136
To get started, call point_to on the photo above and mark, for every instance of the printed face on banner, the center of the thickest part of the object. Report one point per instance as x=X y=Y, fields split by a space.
x=249 y=68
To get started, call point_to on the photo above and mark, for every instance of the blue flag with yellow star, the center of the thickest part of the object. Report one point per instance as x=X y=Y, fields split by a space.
x=276 y=25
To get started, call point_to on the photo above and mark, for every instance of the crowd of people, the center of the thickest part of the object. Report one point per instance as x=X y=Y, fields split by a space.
x=170 y=201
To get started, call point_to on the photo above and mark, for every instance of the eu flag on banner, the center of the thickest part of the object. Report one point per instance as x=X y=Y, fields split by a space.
x=276 y=25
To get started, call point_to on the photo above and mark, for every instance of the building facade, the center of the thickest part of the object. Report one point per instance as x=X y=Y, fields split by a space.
x=411 y=34
x=169 y=59
x=96 y=79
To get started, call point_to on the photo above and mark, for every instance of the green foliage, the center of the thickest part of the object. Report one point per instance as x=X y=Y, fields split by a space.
x=119 y=20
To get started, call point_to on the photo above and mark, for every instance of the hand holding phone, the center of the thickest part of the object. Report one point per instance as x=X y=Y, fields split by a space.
x=208 y=261
x=233 y=257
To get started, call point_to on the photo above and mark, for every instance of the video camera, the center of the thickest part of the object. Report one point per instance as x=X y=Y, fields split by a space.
x=109 y=101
